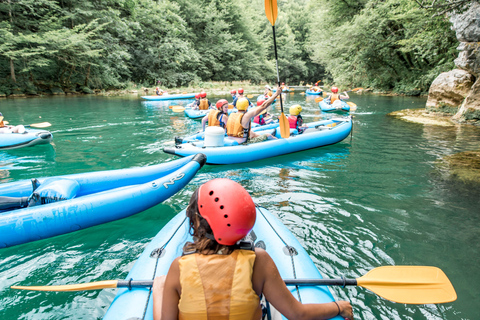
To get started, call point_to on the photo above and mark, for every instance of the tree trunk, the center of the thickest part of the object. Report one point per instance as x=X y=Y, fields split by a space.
x=86 y=77
x=12 y=71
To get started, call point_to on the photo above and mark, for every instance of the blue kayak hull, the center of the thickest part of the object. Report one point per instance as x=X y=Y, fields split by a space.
x=119 y=201
x=30 y=138
x=196 y=114
x=322 y=133
x=170 y=97
x=268 y=233
x=327 y=107
x=308 y=91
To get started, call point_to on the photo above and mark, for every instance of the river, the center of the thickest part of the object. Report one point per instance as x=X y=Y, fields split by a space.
x=377 y=198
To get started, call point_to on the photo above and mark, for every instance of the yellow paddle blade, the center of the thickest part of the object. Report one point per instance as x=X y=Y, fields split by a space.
x=250 y=96
x=271 y=10
x=352 y=105
x=72 y=287
x=178 y=108
x=184 y=92
x=317 y=100
x=409 y=284
x=324 y=94
x=40 y=125
x=6 y=122
x=284 y=126
x=356 y=89
x=292 y=89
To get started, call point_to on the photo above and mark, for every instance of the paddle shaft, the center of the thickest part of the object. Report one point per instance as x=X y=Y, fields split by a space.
x=288 y=282
x=276 y=62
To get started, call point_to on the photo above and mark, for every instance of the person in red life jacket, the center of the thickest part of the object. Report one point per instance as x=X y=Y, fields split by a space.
x=263 y=118
x=158 y=91
x=240 y=95
x=221 y=277
x=334 y=96
x=239 y=124
x=217 y=117
x=203 y=103
x=233 y=93
x=295 y=120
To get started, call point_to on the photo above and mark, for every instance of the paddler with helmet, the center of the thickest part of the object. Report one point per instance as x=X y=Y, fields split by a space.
x=217 y=117
x=239 y=124
x=221 y=277
x=334 y=96
x=203 y=103
x=264 y=117
x=295 y=120
x=240 y=95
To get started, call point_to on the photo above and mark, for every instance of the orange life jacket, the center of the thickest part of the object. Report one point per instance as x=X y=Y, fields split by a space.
x=334 y=97
x=203 y=104
x=213 y=118
x=234 y=126
x=218 y=287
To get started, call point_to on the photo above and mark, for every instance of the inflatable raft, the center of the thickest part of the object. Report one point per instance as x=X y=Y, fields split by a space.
x=68 y=203
x=308 y=91
x=320 y=133
x=291 y=259
x=170 y=97
x=338 y=105
x=196 y=114
x=31 y=137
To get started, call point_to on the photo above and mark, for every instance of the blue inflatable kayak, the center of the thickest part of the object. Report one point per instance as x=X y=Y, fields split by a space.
x=170 y=97
x=31 y=137
x=269 y=233
x=338 y=105
x=196 y=114
x=320 y=133
x=64 y=204
x=308 y=91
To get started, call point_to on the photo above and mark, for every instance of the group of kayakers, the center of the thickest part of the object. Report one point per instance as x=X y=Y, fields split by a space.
x=219 y=276
x=238 y=125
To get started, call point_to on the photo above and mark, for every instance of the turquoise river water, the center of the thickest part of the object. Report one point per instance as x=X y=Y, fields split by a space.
x=377 y=198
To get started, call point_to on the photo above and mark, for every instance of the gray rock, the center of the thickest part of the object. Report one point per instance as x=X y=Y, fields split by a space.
x=467 y=24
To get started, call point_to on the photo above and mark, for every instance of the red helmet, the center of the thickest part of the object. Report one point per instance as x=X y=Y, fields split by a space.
x=221 y=103
x=228 y=209
x=260 y=102
x=240 y=90
x=197 y=96
x=334 y=89
x=283 y=83
x=233 y=91
x=203 y=94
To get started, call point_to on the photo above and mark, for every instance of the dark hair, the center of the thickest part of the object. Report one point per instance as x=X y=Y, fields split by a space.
x=201 y=232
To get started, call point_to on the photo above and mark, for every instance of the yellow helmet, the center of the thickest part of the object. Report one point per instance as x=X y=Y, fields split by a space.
x=295 y=110
x=242 y=104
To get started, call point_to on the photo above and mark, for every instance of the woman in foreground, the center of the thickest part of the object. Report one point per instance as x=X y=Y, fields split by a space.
x=221 y=277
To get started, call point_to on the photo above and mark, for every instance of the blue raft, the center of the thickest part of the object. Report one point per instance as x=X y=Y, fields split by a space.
x=68 y=203
x=338 y=105
x=170 y=97
x=31 y=137
x=291 y=259
x=308 y=91
x=320 y=133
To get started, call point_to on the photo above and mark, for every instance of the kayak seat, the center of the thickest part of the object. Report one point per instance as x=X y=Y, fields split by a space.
x=53 y=190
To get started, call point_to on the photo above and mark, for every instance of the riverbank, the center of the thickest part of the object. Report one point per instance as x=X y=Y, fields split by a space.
x=425 y=117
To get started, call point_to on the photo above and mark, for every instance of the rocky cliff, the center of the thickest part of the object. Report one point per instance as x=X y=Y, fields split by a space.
x=458 y=91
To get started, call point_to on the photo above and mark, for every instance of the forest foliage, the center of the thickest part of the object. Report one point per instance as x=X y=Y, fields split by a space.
x=80 y=45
